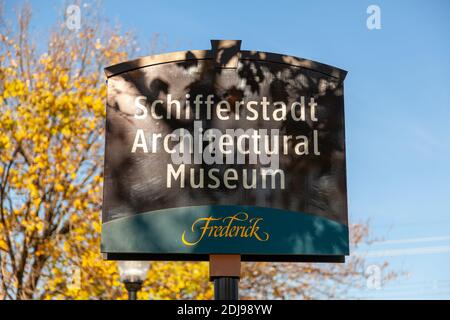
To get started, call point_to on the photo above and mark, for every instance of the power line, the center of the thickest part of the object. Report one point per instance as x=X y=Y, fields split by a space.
x=413 y=240
x=405 y=252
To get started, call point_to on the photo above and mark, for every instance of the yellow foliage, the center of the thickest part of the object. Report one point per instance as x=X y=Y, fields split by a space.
x=52 y=122
x=3 y=245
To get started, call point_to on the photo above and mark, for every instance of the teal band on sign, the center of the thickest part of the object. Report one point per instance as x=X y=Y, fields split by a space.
x=225 y=229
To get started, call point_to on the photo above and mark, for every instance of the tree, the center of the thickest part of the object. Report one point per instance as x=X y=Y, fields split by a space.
x=51 y=162
x=311 y=280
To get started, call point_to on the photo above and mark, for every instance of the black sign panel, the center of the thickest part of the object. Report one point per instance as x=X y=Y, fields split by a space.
x=225 y=151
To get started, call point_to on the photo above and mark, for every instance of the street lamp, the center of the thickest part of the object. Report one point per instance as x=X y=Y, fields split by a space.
x=132 y=274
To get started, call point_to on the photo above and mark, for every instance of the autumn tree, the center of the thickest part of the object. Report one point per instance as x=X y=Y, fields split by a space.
x=51 y=160
x=52 y=126
x=308 y=281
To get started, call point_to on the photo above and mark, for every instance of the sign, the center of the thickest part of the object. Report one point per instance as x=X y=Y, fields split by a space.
x=225 y=151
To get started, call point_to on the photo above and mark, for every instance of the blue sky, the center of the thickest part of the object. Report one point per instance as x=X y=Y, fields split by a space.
x=397 y=100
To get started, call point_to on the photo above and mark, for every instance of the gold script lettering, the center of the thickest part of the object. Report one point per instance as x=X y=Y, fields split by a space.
x=226 y=228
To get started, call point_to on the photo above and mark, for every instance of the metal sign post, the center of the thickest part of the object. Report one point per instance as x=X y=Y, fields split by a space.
x=225 y=271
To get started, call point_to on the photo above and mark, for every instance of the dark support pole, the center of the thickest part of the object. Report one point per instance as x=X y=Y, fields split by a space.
x=133 y=288
x=132 y=295
x=225 y=271
x=226 y=288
